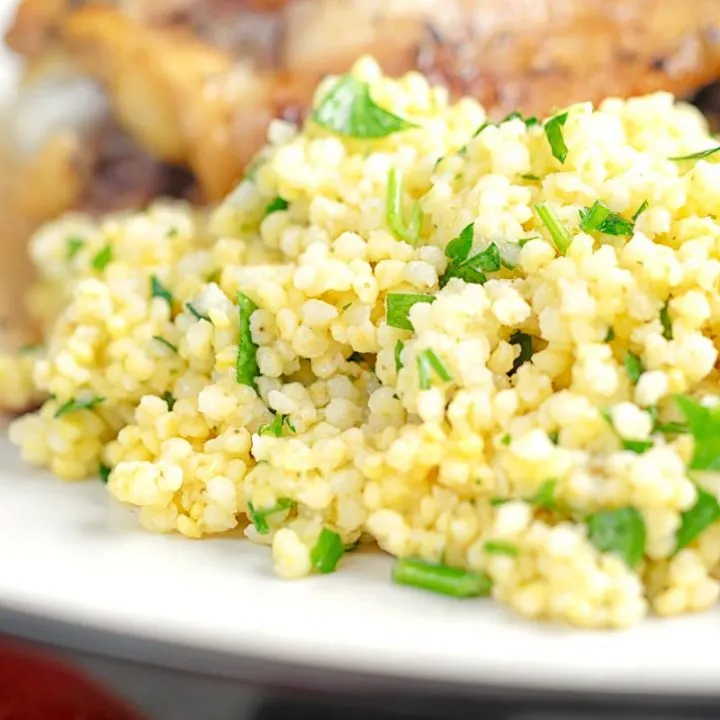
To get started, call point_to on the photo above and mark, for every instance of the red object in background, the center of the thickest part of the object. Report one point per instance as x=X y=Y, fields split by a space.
x=35 y=686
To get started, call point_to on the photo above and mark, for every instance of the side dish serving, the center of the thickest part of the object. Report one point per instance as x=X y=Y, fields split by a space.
x=489 y=347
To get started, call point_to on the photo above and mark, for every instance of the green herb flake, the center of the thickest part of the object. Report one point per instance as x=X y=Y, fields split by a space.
x=610 y=334
x=524 y=342
x=399 y=345
x=499 y=501
x=637 y=446
x=246 y=367
x=699 y=517
x=600 y=218
x=499 y=547
x=349 y=110
x=157 y=289
x=666 y=322
x=166 y=343
x=554 y=436
x=701 y=155
x=74 y=246
x=103 y=258
x=471 y=269
x=169 y=399
x=619 y=531
x=259 y=517
x=441 y=579
x=409 y=233
x=196 y=313
x=560 y=235
x=634 y=367
x=276 y=205
x=104 y=472
x=428 y=361
x=640 y=210
x=545 y=496
x=554 y=134
x=704 y=424
x=275 y=428
x=398 y=308
x=506 y=439
x=72 y=406
x=522 y=242
x=327 y=551
x=530 y=177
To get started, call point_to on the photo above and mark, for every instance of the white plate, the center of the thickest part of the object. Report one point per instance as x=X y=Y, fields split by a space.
x=69 y=553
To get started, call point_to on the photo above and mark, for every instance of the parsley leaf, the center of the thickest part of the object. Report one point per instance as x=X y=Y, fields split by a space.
x=157 y=289
x=166 y=343
x=167 y=396
x=327 y=551
x=275 y=205
x=554 y=134
x=399 y=345
x=619 y=531
x=560 y=235
x=470 y=269
x=348 y=110
x=530 y=177
x=524 y=341
x=246 y=367
x=634 y=367
x=259 y=517
x=427 y=360
x=398 y=308
x=700 y=516
x=599 y=217
x=704 y=424
x=610 y=334
x=666 y=322
x=500 y=547
x=104 y=472
x=701 y=155
x=74 y=405
x=409 y=233
x=637 y=446
x=545 y=496
x=196 y=313
x=276 y=426
x=103 y=258
x=74 y=245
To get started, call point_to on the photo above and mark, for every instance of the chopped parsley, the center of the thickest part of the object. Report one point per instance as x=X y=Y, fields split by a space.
x=666 y=322
x=471 y=269
x=399 y=345
x=704 y=424
x=545 y=496
x=441 y=579
x=348 y=109
x=398 y=308
x=259 y=517
x=554 y=437
x=169 y=399
x=275 y=205
x=643 y=207
x=530 y=177
x=610 y=334
x=621 y=532
x=560 y=235
x=499 y=547
x=276 y=426
x=700 y=516
x=524 y=342
x=600 y=218
x=74 y=246
x=634 y=367
x=74 y=405
x=246 y=367
x=428 y=361
x=554 y=134
x=104 y=472
x=157 y=289
x=327 y=551
x=522 y=242
x=409 y=233
x=701 y=155
x=498 y=501
x=637 y=446
x=103 y=258
x=506 y=439
x=166 y=343
x=196 y=313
